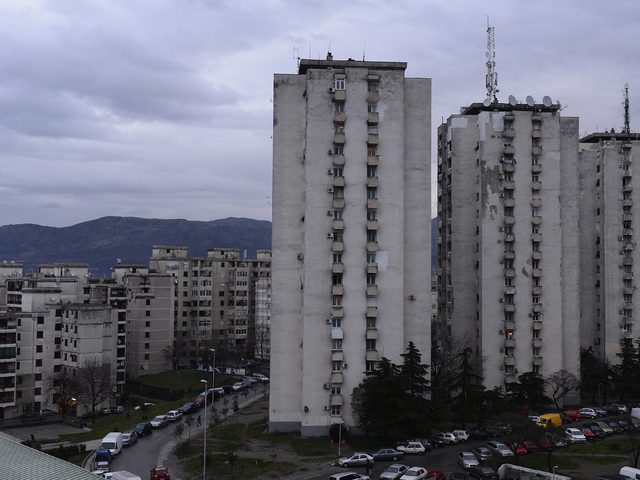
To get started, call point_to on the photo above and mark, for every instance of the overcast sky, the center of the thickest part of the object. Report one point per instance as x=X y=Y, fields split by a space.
x=162 y=109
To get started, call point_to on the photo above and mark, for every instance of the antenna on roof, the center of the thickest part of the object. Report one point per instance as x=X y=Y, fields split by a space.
x=364 y=47
x=492 y=76
x=627 y=128
x=296 y=55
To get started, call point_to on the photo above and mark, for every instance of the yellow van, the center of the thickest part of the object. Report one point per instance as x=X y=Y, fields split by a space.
x=550 y=418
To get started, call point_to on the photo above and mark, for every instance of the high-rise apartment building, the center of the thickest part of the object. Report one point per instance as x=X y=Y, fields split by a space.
x=608 y=242
x=351 y=234
x=508 y=238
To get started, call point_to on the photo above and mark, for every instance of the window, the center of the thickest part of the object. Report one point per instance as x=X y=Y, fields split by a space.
x=39 y=362
x=337 y=258
x=535 y=178
x=338 y=150
x=38 y=348
x=336 y=366
x=508 y=281
x=535 y=299
x=339 y=84
x=371 y=258
x=372 y=193
x=146 y=346
x=339 y=128
x=148 y=302
x=38 y=391
x=372 y=151
x=336 y=390
x=535 y=246
x=508 y=229
x=371 y=322
x=371 y=366
x=337 y=214
x=338 y=192
x=336 y=344
x=40 y=320
x=372 y=215
x=371 y=344
x=147 y=324
x=338 y=107
x=371 y=279
x=536 y=334
x=336 y=323
x=535 y=160
x=337 y=279
x=508 y=211
x=373 y=87
x=337 y=237
x=146 y=356
x=372 y=172
x=337 y=300
x=147 y=313
x=147 y=334
x=535 y=264
x=372 y=236
x=336 y=410
x=372 y=108
x=40 y=335
x=628 y=298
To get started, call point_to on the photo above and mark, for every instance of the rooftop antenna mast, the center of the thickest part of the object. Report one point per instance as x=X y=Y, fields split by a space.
x=492 y=76
x=296 y=55
x=627 y=128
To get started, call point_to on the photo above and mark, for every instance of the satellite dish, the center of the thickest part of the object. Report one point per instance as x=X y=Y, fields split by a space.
x=118 y=260
x=486 y=102
x=530 y=101
x=546 y=100
x=559 y=105
x=512 y=100
x=53 y=299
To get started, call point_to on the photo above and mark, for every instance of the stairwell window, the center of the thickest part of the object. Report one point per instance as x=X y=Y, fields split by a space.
x=339 y=84
x=339 y=107
x=336 y=366
x=372 y=108
x=372 y=151
x=337 y=279
x=336 y=323
x=372 y=193
x=371 y=279
x=371 y=344
x=338 y=192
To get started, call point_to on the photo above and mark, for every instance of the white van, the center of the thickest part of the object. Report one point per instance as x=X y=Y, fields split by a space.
x=635 y=412
x=630 y=472
x=113 y=441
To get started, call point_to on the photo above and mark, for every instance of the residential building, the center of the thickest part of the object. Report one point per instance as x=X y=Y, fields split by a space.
x=509 y=253
x=351 y=234
x=608 y=243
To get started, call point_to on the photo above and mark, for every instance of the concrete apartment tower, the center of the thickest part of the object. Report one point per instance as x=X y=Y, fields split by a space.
x=509 y=238
x=608 y=242
x=351 y=234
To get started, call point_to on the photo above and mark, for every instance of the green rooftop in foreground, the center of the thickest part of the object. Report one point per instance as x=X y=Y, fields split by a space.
x=20 y=462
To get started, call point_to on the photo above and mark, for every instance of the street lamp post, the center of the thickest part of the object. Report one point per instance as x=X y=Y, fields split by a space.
x=213 y=374
x=554 y=472
x=599 y=402
x=340 y=438
x=204 y=455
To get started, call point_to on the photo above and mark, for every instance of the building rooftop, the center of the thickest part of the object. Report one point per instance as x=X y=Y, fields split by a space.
x=476 y=108
x=329 y=63
x=609 y=136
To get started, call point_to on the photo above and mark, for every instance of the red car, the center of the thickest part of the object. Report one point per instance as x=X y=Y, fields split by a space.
x=587 y=433
x=573 y=414
x=516 y=446
x=160 y=473
x=530 y=446
x=435 y=475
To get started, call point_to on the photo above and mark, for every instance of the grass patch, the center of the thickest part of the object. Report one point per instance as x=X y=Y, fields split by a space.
x=539 y=461
x=604 y=460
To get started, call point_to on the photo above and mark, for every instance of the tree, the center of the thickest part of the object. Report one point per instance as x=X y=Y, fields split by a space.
x=549 y=439
x=95 y=382
x=562 y=383
x=415 y=416
x=262 y=339
x=178 y=432
x=189 y=421
x=528 y=391
x=466 y=383
x=444 y=364
x=62 y=387
x=626 y=375
x=175 y=352
x=520 y=428
x=634 y=439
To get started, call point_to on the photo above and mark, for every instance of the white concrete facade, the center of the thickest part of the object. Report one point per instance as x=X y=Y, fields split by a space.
x=351 y=234
x=509 y=259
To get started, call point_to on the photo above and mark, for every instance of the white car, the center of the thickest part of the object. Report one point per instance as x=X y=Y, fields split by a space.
x=393 y=471
x=159 y=421
x=411 y=447
x=461 y=435
x=575 y=436
x=129 y=439
x=448 y=437
x=174 y=415
x=414 y=473
x=587 y=412
x=357 y=458
x=260 y=377
x=499 y=449
x=467 y=460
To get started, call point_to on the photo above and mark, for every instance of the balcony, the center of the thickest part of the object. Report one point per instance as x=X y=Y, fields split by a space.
x=627 y=276
x=509 y=133
x=627 y=188
x=536 y=186
x=372 y=268
x=337 y=290
x=509 y=202
x=374 y=96
x=372 y=333
x=509 y=343
x=537 y=308
x=509 y=254
x=627 y=261
x=510 y=325
x=336 y=400
x=536 y=255
x=509 y=220
x=340 y=96
x=339 y=117
x=337 y=268
x=338 y=203
x=509 y=185
x=627 y=217
x=509 y=272
x=536 y=273
x=537 y=324
x=628 y=305
x=337 y=247
x=338 y=225
x=537 y=168
x=509 y=237
x=372 y=355
x=336 y=377
x=337 y=333
x=372 y=311
x=373 y=118
x=372 y=182
x=337 y=356
x=372 y=290
x=537 y=360
x=339 y=138
x=536 y=117
x=509 y=150
x=536 y=202
x=627 y=202
x=510 y=360
x=510 y=290
x=537 y=220
x=373 y=139
x=627 y=173
x=372 y=246
x=627 y=246
x=537 y=290
x=536 y=151
x=338 y=160
x=537 y=342
x=373 y=160
x=338 y=181
x=509 y=117
x=372 y=225
x=372 y=203
x=627 y=231
x=509 y=307
x=536 y=237
x=337 y=312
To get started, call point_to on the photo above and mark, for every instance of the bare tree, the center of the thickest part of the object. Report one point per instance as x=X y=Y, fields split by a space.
x=262 y=340
x=561 y=384
x=95 y=382
x=62 y=387
x=175 y=352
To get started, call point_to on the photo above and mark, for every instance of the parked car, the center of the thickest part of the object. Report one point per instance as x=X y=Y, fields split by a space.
x=412 y=447
x=611 y=410
x=461 y=435
x=436 y=475
x=615 y=426
x=142 y=429
x=348 y=476
x=385 y=454
x=478 y=434
x=437 y=442
x=633 y=422
x=414 y=473
x=516 y=448
x=530 y=446
x=624 y=424
x=458 y=476
x=228 y=389
x=588 y=413
x=252 y=364
x=622 y=408
x=239 y=386
x=118 y=409
x=573 y=414
x=483 y=454
x=129 y=439
x=600 y=412
x=251 y=380
x=260 y=377
x=426 y=442
x=484 y=472
x=96 y=414
x=448 y=437
x=575 y=436
x=161 y=472
x=188 y=408
x=588 y=434
x=499 y=449
x=605 y=427
x=174 y=415
x=357 y=458
x=467 y=460
x=393 y=472
x=597 y=431
x=46 y=412
x=159 y=421
x=220 y=391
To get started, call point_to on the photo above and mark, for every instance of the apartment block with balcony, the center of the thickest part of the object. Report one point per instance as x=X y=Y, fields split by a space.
x=609 y=288
x=351 y=234
x=508 y=256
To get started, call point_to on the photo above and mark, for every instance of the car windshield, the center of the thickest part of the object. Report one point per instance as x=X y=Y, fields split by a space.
x=502 y=447
x=412 y=473
x=393 y=469
x=468 y=456
x=140 y=426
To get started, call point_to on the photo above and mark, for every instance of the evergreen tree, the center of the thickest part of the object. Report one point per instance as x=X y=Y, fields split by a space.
x=528 y=391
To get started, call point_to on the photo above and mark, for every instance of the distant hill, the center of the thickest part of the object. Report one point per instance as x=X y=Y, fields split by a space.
x=101 y=242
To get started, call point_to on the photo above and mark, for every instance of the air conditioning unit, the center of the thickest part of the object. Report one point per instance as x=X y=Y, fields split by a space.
x=330 y=152
x=500 y=261
x=501 y=332
x=621 y=325
x=502 y=349
x=345 y=365
x=327 y=320
x=329 y=235
x=412 y=297
x=330 y=189
x=329 y=213
x=501 y=367
x=501 y=300
x=620 y=252
x=501 y=177
x=332 y=90
x=620 y=312
x=501 y=229
x=531 y=314
x=330 y=171
x=502 y=195
x=325 y=408
x=619 y=166
x=300 y=256
x=619 y=239
x=327 y=386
